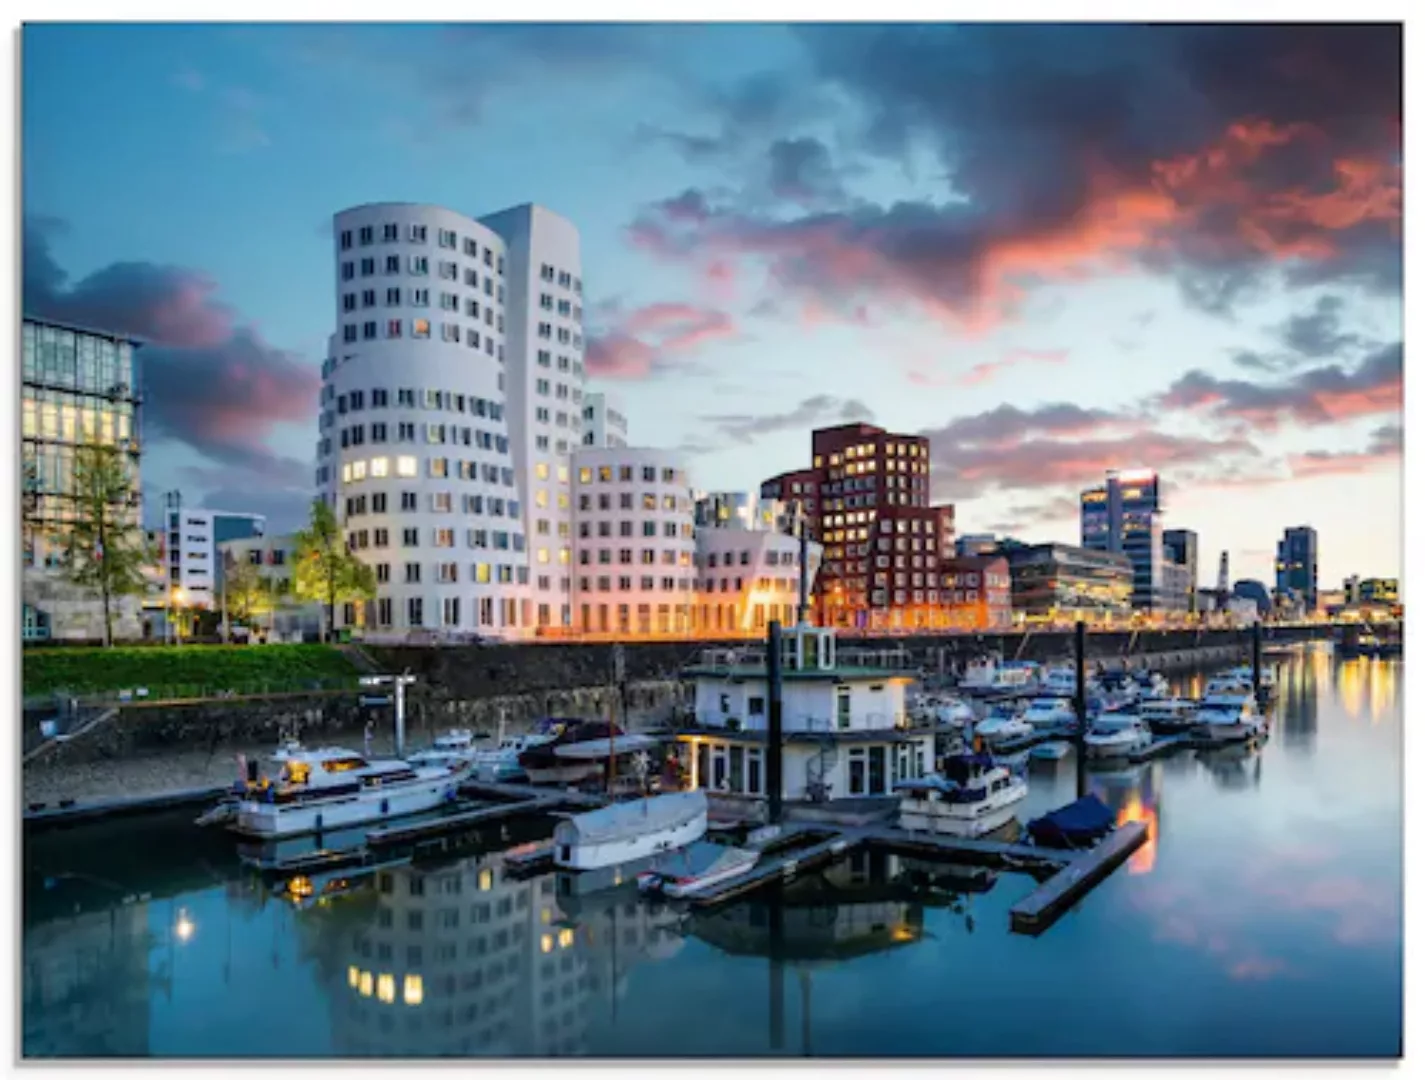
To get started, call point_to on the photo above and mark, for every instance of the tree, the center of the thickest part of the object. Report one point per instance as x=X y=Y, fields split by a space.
x=325 y=571
x=245 y=592
x=103 y=546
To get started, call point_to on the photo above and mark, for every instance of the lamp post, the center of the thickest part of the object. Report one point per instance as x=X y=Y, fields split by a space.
x=176 y=598
x=399 y=684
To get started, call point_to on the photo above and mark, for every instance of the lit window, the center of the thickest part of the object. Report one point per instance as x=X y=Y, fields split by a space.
x=358 y=470
x=546 y=943
x=405 y=466
x=386 y=989
x=420 y=328
x=585 y=475
x=379 y=467
x=415 y=990
x=566 y=938
x=353 y=977
x=364 y=988
x=487 y=879
x=346 y=473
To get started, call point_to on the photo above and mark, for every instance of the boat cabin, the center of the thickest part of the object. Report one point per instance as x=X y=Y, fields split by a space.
x=845 y=728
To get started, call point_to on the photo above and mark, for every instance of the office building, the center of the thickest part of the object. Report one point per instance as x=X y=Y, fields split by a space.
x=77 y=386
x=605 y=423
x=452 y=396
x=633 y=542
x=1380 y=591
x=1296 y=565
x=189 y=550
x=866 y=499
x=284 y=618
x=1125 y=515
x=975 y=589
x=1253 y=590
x=976 y=544
x=742 y=510
x=1180 y=556
x=748 y=566
x=1052 y=582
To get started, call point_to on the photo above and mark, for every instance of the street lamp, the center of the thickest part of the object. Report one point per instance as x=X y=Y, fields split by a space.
x=177 y=596
x=184 y=927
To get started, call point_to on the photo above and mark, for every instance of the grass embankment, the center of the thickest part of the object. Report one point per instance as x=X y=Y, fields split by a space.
x=186 y=670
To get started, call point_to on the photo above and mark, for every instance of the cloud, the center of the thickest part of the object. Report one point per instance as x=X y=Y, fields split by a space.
x=1071 y=151
x=801 y=171
x=241 y=127
x=1320 y=395
x=1314 y=334
x=1053 y=511
x=207 y=382
x=654 y=339
x=820 y=410
x=984 y=372
x=1386 y=445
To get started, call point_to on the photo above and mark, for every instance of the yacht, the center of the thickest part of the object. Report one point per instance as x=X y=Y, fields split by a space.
x=1117 y=736
x=1241 y=678
x=1050 y=712
x=972 y=796
x=321 y=790
x=630 y=832
x=1169 y=716
x=1116 y=688
x=580 y=751
x=1228 y=716
x=1003 y=725
x=991 y=676
x=502 y=761
x=1061 y=682
x=951 y=711
x=455 y=750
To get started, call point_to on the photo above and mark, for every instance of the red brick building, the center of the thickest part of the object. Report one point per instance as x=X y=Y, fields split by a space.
x=867 y=501
x=975 y=590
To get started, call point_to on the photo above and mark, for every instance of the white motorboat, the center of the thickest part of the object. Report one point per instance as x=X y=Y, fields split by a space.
x=630 y=832
x=1060 y=682
x=1003 y=726
x=697 y=867
x=1169 y=716
x=1117 y=735
x=1240 y=678
x=321 y=790
x=973 y=795
x=990 y=676
x=502 y=761
x=1229 y=716
x=453 y=750
x=950 y=711
x=1050 y=712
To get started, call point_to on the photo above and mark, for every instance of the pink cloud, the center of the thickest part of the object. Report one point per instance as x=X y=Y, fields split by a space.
x=984 y=372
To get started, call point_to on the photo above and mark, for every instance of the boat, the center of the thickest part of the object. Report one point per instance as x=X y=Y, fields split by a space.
x=1117 y=735
x=1060 y=682
x=1050 y=751
x=1081 y=823
x=971 y=796
x=629 y=832
x=1169 y=716
x=501 y=762
x=1117 y=689
x=330 y=788
x=992 y=676
x=699 y=867
x=1241 y=678
x=946 y=710
x=453 y=750
x=1049 y=713
x=1151 y=685
x=1003 y=725
x=1228 y=716
x=543 y=764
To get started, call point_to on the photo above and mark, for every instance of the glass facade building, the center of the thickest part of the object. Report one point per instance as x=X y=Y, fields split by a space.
x=1126 y=515
x=1049 y=581
x=1296 y=565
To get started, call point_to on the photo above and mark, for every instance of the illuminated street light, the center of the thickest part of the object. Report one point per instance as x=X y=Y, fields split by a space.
x=184 y=927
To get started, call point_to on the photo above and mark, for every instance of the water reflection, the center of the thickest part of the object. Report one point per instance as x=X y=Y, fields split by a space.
x=1133 y=793
x=1234 y=767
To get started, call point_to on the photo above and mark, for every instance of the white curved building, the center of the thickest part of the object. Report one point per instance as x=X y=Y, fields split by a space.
x=436 y=448
x=634 y=542
x=746 y=578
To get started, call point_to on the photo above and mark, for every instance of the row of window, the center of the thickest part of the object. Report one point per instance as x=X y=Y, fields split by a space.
x=448 y=573
x=435 y=435
x=421 y=298
x=649 y=474
x=421 y=330
x=365 y=236
x=545 y=359
x=419 y=266
x=744 y=558
x=438 y=502
x=412 y=398
x=562 y=334
x=566 y=308
x=565 y=279
x=604 y=529
x=380 y=468
x=646 y=556
x=865 y=450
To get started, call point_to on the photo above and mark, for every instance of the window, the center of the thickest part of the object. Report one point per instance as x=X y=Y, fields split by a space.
x=393 y=297
x=393 y=327
x=420 y=328
x=348 y=302
x=348 y=271
x=415 y=612
x=417 y=234
x=420 y=298
x=393 y=264
x=390 y=232
x=368 y=331
x=405 y=466
x=446 y=238
x=346 y=240
x=413 y=573
x=420 y=264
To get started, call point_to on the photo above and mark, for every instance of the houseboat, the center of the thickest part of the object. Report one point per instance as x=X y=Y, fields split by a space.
x=845 y=729
x=973 y=795
x=629 y=833
x=1061 y=682
x=318 y=791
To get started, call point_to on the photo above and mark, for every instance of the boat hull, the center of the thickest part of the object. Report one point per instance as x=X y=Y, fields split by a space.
x=564 y=772
x=627 y=851
x=1116 y=748
x=276 y=820
x=936 y=820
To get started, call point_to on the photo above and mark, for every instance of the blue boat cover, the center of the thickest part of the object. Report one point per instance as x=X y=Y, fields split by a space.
x=1082 y=821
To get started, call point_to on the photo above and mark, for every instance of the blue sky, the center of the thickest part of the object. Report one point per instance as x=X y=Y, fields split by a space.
x=1051 y=249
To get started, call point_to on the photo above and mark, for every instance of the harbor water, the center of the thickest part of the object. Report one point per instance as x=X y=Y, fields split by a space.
x=1262 y=918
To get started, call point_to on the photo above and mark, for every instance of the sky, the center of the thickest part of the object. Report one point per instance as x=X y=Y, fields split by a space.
x=1052 y=249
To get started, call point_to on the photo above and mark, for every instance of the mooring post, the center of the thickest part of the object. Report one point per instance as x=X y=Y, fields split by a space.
x=774 y=722
x=1257 y=662
x=1081 y=705
x=400 y=718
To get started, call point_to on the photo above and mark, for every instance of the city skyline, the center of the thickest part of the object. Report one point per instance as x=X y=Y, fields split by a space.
x=800 y=226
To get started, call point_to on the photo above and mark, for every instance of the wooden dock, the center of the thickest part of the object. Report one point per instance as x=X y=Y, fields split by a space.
x=458 y=822
x=555 y=797
x=76 y=813
x=993 y=853
x=784 y=867
x=1041 y=908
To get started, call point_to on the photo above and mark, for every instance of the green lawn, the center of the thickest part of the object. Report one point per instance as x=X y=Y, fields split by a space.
x=186 y=670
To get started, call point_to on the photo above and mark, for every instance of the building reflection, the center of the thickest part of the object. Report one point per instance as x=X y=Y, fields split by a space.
x=1296 y=712
x=1134 y=794
x=461 y=960
x=87 y=984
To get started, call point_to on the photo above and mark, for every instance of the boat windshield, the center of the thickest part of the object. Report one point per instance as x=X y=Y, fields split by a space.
x=296 y=772
x=340 y=765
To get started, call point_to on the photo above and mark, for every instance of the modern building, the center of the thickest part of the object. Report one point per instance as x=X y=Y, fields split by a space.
x=1255 y=591
x=743 y=510
x=1296 y=564
x=1380 y=591
x=285 y=618
x=866 y=499
x=78 y=385
x=634 y=542
x=1126 y=515
x=605 y=423
x=1050 y=582
x=1180 y=555
x=976 y=544
x=976 y=591
x=748 y=567
x=189 y=548
x=451 y=398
